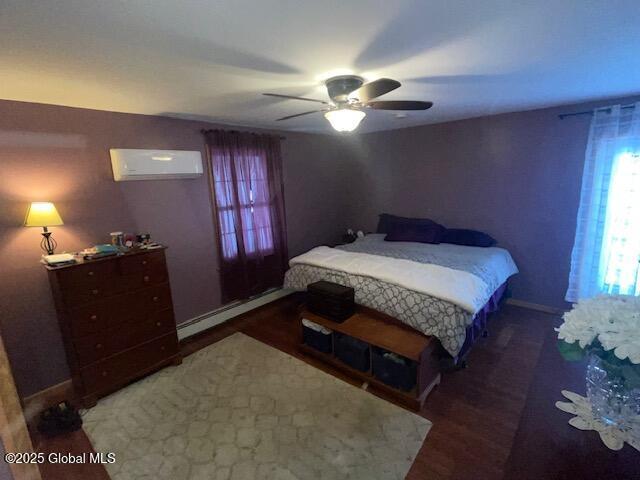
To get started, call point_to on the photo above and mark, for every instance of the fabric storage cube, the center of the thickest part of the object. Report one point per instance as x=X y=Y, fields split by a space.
x=392 y=369
x=352 y=351
x=331 y=300
x=317 y=336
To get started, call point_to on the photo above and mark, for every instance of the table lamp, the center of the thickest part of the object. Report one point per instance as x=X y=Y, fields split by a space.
x=44 y=214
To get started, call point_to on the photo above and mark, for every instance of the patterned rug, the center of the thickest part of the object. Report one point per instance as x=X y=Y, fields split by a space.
x=242 y=410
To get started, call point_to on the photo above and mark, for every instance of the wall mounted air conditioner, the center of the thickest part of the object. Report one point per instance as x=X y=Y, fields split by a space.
x=134 y=164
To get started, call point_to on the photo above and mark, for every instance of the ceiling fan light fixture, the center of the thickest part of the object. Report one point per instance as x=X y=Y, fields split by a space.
x=345 y=119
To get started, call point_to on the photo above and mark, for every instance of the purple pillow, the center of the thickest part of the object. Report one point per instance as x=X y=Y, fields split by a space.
x=469 y=238
x=422 y=233
x=388 y=222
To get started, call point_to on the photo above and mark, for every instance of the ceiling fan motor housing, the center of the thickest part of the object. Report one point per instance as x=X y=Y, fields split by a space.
x=340 y=87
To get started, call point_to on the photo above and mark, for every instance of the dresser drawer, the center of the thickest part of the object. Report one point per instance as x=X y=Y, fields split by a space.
x=136 y=280
x=125 y=366
x=91 y=318
x=137 y=306
x=156 y=298
x=91 y=348
x=130 y=334
x=90 y=292
x=95 y=272
x=143 y=263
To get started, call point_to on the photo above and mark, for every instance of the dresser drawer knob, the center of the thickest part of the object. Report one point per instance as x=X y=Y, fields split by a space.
x=158 y=324
x=98 y=346
x=162 y=348
x=155 y=299
x=105 y=373
x=144 y=262
x=93 y=317
x=91 y=273
x=94 y=291
x=146 y=278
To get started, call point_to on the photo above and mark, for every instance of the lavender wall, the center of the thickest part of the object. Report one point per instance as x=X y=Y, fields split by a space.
x=516 y=176
x=62 y=155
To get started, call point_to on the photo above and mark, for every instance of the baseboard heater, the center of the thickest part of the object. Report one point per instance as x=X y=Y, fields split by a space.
x=227 y=312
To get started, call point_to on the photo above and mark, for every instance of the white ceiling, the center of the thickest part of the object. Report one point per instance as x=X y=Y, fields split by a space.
x=211 y=59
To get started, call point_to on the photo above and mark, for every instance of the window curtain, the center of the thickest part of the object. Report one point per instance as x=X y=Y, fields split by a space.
x=606 y=251
x=246 y=178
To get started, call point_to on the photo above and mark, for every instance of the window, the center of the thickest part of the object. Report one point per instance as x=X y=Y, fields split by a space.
x=255 y=209
x=252 y=190
x=620 y=257
x=248 y=193
x=606 y=251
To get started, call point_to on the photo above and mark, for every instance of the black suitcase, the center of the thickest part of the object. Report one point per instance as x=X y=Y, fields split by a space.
x=331 y=300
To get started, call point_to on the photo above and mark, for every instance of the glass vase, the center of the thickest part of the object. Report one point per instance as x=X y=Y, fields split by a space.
x=611 y=401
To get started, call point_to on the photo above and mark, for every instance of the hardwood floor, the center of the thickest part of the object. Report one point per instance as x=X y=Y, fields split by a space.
x=495 y=419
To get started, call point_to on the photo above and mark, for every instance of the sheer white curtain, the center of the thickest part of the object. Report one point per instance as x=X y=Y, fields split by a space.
x=606 y=251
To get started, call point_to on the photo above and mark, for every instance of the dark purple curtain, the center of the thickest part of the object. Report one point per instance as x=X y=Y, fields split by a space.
x=246 y=175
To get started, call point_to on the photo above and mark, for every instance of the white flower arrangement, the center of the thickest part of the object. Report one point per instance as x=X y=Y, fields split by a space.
x=613 y=320
x=607 y=329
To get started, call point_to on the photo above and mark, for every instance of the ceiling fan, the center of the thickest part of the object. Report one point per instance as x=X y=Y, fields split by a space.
x=350 y=96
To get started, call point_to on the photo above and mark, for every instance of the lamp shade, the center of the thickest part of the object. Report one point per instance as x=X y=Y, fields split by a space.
x=42 y=214
x=345 y=119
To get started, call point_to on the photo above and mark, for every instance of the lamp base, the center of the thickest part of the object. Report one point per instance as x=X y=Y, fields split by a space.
x=48 y=244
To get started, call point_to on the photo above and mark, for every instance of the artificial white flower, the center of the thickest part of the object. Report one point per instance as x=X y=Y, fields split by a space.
x=613 y=319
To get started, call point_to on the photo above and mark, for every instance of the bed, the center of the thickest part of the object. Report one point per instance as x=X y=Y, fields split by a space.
x=443 y=290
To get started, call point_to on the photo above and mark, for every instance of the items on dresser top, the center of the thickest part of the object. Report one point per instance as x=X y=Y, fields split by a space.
x=99 y=251
x=58 y=259
x=151 y=246
x=143 y=238
x=116 y=317
x=117 y=239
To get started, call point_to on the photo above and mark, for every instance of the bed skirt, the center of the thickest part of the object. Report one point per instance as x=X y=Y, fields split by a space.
x=480 y=320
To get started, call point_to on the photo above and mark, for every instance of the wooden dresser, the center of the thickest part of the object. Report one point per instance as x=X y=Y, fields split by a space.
x=116 y=318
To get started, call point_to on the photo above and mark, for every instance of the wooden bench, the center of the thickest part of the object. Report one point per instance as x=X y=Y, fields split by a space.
x=382 y=331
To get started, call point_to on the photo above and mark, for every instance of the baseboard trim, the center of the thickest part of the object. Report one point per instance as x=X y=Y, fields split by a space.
x=535 y=306
x=221 y=315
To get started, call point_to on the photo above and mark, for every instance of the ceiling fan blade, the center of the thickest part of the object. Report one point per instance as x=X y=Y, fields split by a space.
x=374 y=89
x=298 y=115
x=290 y=97
x=400 y=105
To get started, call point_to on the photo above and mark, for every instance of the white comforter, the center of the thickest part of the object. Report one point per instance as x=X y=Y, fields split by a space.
x=459 y=287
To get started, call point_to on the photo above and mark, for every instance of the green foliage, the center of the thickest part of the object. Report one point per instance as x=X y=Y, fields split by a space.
x=571 y=352
x=631 y=376
x=623 y=369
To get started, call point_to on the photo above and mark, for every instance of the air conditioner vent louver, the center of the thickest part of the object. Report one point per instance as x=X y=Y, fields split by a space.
x=135 y=164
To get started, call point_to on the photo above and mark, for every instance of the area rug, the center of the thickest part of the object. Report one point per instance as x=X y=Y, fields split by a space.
x=242 y=410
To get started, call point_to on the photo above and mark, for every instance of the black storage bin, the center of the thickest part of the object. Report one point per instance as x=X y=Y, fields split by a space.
x=395 y=374
x=352 y=351
x=331 y=300
x=322 y=342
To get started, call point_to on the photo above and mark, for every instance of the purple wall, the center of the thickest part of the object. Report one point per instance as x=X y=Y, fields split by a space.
x=516 y=176
x=61 y=154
